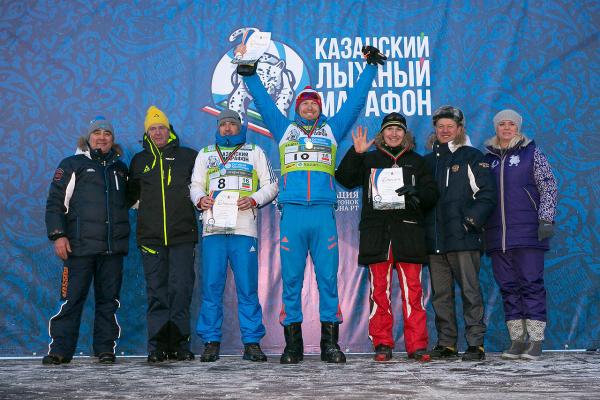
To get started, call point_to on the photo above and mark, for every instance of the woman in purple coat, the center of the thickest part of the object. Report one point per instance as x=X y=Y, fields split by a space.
x=517 y=233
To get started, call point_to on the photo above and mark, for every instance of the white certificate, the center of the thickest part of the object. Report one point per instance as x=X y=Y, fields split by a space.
x=384 y=183
x=225 y=210
x=257 y=43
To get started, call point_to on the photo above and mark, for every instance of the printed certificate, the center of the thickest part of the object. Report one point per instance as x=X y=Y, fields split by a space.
x=383 y=185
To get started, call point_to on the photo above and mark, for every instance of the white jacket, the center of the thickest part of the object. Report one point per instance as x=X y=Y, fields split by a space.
x=249 y=172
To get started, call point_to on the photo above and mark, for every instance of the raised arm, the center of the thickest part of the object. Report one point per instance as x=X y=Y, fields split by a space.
x=351 y=170
x=343 y=120
x=275 y=121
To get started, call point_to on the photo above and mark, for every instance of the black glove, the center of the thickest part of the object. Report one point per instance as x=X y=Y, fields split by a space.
x=411 y=195
x=246 y=69
x=470 y=226
x=373 y=55
x=545 y=230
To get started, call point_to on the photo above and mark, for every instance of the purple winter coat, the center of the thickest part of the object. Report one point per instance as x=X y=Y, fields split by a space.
x=526 y=194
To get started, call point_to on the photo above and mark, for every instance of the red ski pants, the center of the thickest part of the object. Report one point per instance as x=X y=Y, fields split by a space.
x=381 y=319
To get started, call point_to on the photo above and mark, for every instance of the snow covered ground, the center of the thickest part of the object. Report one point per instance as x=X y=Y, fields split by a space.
x=558 y=375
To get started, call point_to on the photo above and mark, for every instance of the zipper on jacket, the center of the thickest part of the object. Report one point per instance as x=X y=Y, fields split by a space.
x=503 y=216
x=164 y=202
x=308 y=186
x=106 y=187
x=435 y=220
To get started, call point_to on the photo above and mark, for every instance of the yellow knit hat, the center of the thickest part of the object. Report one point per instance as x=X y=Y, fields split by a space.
x=155 y=116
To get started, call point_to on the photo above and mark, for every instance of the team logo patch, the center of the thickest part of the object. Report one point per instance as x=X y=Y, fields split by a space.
x=58 y=174
x=293 y=135
x=455 y=168
x=64 y=285
x=212 y=161
x=514 y=160
x=495 y=163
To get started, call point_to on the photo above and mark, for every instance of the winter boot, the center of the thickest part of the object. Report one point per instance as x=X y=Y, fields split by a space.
x=55 y=359
x=420 y=355
x=383 y=353
x=440 y=352
x=330 y=351
x=185 y=355
x=516 y=330
x=157 y=356
x=294 y=346
x=106 y=358
x=253 y=352
x=535 y=330
x=211 y=352
x=474 y=353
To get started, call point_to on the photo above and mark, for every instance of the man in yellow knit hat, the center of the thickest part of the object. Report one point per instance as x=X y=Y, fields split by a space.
x=167 y=234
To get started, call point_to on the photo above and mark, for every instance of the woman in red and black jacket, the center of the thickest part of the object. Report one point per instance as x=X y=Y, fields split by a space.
x=397 y=190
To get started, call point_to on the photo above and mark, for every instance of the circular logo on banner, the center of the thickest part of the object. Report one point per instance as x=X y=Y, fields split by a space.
x=281 y=71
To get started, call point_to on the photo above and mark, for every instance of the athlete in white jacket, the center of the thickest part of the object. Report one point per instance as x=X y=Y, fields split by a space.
x=231 y=167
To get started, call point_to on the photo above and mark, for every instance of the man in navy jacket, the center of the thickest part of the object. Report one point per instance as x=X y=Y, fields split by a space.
x=454 y=232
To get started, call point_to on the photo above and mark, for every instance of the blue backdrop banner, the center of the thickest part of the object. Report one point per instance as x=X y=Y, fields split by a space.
x=64 y=62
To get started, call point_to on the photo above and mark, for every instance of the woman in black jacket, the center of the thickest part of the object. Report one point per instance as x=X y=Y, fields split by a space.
x=397 y=189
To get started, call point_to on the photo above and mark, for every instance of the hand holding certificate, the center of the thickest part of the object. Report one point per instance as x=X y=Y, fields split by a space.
x=254 y=44
x=224 y=211
x=384 y=183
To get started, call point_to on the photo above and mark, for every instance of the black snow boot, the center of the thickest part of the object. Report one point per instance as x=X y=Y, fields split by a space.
x=294 y=346
x=330 y=351
x=211 y=352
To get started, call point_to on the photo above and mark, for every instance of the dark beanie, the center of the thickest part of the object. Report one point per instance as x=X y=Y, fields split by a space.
x=393 y=119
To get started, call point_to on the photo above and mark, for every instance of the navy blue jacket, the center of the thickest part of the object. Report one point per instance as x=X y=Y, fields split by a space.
x=467 y=193
x=87 y=203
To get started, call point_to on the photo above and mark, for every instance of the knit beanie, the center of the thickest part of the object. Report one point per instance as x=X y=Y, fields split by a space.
x=308 y=93
x=393 y=119
x=99 y=122
x=230 y=140
x=155 y=116
x=229 y=115
x=508 y=115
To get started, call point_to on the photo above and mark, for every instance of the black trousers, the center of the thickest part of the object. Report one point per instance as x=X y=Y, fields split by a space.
x=78 y=273
x=170 y=277
x=461 y=267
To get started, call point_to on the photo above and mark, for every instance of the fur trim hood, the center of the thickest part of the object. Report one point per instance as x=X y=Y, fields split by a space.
x=461 y=140
x=519 y=140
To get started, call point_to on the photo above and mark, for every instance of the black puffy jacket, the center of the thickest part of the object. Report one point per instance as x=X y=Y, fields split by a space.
x=403 y=229
x=467 y=192
x=160 y=179
x=87 y=203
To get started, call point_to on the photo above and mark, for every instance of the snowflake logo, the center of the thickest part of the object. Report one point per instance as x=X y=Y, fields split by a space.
x=514 y=160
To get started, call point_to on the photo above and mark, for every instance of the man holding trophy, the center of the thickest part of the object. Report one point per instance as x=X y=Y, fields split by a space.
x=307 y=200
